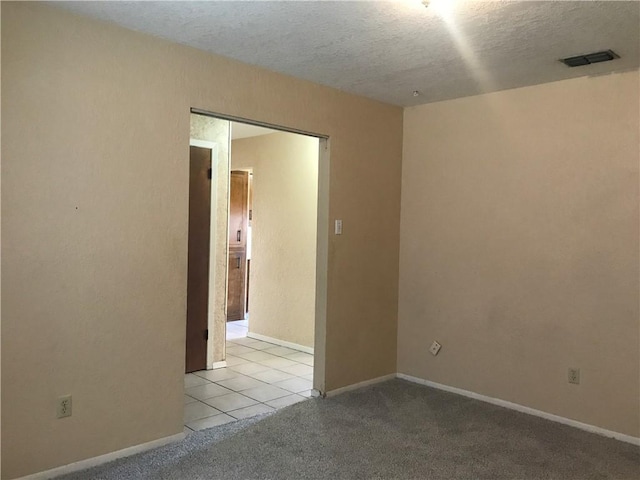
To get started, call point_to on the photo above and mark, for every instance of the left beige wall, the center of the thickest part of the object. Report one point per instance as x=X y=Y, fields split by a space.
x=94 y=227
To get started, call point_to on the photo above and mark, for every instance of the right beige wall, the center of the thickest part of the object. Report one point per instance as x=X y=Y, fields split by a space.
x=519 y=247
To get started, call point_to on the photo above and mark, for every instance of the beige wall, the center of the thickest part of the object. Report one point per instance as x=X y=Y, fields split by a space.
x=95 y=139
x=519 y=247
x=219 y=132
x=283 y=262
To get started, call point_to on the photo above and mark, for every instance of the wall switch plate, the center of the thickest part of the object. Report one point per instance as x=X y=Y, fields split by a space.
x=64 y=407
x=435 y=348
x=338 y=227
x=574 y=376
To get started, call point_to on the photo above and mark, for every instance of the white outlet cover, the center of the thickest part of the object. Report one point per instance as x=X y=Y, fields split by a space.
x=435 y=348
x=574 y=376
x=64 y=407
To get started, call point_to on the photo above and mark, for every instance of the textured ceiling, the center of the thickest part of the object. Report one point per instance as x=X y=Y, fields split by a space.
x=387 y=49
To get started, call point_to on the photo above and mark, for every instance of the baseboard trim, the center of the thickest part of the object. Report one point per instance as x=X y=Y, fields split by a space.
x=217 y=365
x=356 y=386
x=521 y=408
x=102 y=459
x=282 y=343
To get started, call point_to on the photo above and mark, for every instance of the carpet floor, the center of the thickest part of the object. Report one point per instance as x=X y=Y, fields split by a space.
x=393 y=430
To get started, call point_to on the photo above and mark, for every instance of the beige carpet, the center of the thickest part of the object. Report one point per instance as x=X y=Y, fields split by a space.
x=394 y=430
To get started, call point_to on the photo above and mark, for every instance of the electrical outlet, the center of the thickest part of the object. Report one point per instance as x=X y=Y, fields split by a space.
x=574 y=376
x=64 y=406
x=435 y=348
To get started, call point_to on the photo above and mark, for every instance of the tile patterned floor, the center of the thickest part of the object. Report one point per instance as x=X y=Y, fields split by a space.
x=260 y=377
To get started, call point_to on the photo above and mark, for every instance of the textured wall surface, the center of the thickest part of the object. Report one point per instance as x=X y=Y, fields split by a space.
x=217 y=131
x=519 y=247
x=95 y=148
x=283 y=261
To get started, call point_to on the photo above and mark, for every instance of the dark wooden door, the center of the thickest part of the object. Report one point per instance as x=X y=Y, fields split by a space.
x=238 y=209
x=238 y=226
x=198 y=258
x=236 y=284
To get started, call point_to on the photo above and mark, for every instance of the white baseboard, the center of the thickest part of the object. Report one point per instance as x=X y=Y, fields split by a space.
x=521 y=408
x=217 y=365
x=282 y=343
x=356 y=386
x=109 y=457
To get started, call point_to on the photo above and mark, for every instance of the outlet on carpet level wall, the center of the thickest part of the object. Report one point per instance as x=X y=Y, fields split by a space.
x=435 y=348
x=574 y=376
x=64 y=406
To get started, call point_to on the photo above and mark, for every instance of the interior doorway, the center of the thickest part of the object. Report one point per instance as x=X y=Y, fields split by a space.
x=200 y=281
x=238 y=266
x=198 y=258
x=264 y=364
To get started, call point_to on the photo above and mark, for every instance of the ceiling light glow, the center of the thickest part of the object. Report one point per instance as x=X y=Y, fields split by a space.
x=443 y=8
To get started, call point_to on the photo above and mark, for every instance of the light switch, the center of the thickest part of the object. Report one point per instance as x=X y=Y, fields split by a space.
x=338 y=227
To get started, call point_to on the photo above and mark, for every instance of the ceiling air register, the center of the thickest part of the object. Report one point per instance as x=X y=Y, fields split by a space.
x=590 y=58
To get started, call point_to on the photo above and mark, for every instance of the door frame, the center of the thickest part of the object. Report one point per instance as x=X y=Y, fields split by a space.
x=322 y=236
x=212 y=250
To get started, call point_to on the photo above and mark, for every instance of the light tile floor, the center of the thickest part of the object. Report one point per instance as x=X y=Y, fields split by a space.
x=260 y=377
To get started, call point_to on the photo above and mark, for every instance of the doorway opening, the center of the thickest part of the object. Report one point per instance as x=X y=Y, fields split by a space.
x=267 y=272
x=201 y=279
